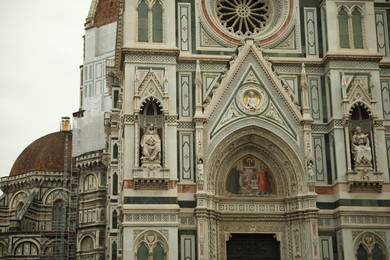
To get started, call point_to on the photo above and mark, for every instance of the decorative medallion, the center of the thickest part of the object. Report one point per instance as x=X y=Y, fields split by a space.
x=252 y=99
x=229 y=22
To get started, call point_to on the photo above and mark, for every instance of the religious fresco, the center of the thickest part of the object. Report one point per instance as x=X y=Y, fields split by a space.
x=250 y=177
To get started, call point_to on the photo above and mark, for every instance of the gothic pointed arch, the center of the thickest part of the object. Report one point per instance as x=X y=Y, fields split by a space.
x=370 y=244
x=267 y=151
x=151 y=242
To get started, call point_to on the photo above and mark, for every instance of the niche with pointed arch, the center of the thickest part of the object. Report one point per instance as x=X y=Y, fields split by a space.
x=249 y=176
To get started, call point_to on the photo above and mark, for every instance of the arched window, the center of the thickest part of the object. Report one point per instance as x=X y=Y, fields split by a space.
x=89 y=182
x=115 y=151
x=350 y=28
x=87 y=243
x=362 y=253
x=150 y=21
x=370 y=246
x=27 y=249
x=59 y=215
x=357 y=29
x=142 y=252
x=114 y=219
x=343 y=28
x=113 y=251
x=142 y=22
x=377 y=253
x=158 y=252
x=115 y=184
x=151 y=246
x=157 y=26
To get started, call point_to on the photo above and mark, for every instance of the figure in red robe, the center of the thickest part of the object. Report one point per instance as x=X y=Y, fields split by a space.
x=263 y=182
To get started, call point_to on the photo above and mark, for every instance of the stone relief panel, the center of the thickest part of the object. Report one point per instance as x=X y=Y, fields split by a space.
x=310 y=17
x=184 y=18
x=385 y=89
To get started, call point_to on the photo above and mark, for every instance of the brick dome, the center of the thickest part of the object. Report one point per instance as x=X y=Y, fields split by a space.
x=45 y=154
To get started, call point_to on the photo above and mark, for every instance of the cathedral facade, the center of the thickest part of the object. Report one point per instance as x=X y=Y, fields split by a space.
x=221 y=129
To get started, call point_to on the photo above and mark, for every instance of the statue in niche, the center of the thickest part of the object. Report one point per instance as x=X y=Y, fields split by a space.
x=151 y=145
x=310 y=169
x=250 y=177
x=361 y=149
x=199 y=169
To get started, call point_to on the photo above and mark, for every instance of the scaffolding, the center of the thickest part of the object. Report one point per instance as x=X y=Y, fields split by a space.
x=58 y=239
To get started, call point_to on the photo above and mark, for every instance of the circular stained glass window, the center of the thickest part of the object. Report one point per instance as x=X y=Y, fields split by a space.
x=244 y=17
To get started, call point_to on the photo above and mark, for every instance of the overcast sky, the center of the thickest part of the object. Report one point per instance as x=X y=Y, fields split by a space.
x=41 y=49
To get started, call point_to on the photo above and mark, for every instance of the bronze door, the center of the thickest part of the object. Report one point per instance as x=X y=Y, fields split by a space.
x=253 y=247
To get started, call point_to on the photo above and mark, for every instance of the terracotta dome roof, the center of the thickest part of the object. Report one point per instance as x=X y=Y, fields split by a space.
x=44 y=154
x=102 y=12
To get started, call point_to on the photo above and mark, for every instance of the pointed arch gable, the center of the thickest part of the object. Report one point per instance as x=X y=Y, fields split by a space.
x=250 y=58
x=268 y=110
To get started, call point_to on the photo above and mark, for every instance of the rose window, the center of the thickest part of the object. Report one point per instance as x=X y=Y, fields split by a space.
x=244 y=17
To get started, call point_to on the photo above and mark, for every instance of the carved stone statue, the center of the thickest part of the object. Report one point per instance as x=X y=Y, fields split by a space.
x=151 y=145
x=361 y=147
x=310 y=170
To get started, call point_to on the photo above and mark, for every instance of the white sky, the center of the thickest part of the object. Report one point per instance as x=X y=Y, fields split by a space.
x=41 y=49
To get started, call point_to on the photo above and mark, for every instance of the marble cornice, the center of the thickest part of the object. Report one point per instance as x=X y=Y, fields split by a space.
x=192 y=58
x=142 y=50
x=319 y=62
x=370 y=57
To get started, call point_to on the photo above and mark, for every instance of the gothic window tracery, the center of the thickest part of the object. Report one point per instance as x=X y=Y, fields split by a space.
x=114 y=250
x=150 y=21
x=151 y=247
x=370 y=246
x=115 y=184
x=27 y=249
x=114 y=219
x=351 y=29
x=115 y=151
x=244 y=17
